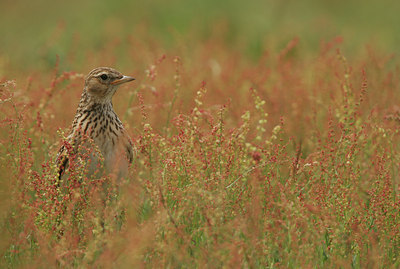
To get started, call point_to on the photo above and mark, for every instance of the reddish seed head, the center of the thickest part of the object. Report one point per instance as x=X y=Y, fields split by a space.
x=256 y=156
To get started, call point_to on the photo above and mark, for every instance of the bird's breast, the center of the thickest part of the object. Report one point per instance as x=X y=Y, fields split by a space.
x=106 y=131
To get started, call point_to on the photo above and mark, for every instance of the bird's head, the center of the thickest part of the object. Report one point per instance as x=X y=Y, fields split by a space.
x=102 y=82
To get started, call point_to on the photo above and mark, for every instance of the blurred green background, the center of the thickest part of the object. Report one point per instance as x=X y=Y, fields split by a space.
x=34 y=32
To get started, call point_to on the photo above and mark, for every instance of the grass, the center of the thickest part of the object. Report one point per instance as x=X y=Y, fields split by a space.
x=283 y=155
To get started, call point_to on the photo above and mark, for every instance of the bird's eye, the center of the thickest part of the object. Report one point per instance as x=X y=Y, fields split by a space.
x=104 y=77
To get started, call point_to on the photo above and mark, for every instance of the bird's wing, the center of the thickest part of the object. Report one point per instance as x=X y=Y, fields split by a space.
x=129 y=148
x=129 y=151
x=62 y=161
x=68 y=148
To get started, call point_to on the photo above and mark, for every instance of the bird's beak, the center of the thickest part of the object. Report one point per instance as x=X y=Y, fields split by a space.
x=122 y=80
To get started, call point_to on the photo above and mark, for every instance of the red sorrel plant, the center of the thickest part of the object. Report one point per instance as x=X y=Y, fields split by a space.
x=290 y=161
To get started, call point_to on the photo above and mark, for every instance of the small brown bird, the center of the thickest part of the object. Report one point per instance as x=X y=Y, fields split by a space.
x=96 y=123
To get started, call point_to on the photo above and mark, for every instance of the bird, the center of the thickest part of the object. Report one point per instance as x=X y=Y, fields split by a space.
x=97 y=128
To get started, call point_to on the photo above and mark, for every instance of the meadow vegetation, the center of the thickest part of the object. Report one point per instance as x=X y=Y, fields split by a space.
x=284 y=155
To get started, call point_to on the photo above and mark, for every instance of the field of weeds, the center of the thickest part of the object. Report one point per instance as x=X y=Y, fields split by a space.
x=281 y=156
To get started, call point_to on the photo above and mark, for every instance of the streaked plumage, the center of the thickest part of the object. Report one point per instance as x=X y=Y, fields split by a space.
x=95 y=120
